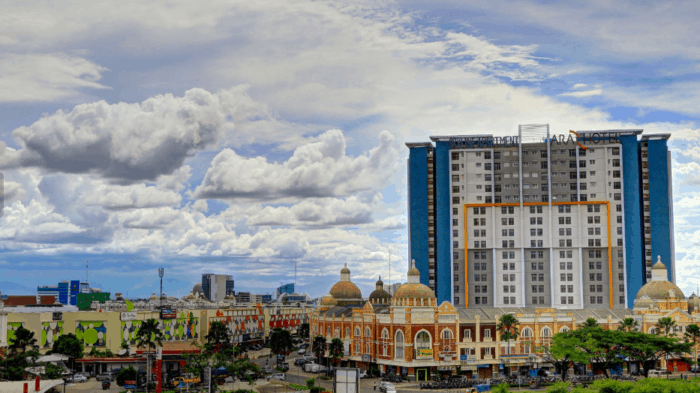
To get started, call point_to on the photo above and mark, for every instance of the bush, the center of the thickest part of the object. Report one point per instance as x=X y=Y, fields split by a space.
x=323 y=377
x=310 y=382
x=316 y=389
x=502 y=388
x=127 y=374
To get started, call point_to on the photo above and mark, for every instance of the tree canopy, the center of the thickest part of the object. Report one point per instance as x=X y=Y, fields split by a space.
x=281 y=342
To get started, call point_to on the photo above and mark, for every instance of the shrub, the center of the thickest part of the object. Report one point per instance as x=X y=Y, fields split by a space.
x=310 y=382
x=502 y=388
x=317 y=389
x=559 y=387
x=127 y=374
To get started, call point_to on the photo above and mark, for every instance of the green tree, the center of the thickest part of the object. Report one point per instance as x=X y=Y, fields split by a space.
x=304 y=330
x=628 y=325
x=243 y=369
x=319 y=347
x=692 y=334
x=69 y=345
x=666 y=326
x=508 y=329
x=647 y=349
x=128 y=374
x=563 y=352
x=590 y=323
x=310 y=383
x=218 y=336
x=599 y=345
x=281 y=342
x=23 y=339
x=149 y=336
x=336 y=350
x=52 y=371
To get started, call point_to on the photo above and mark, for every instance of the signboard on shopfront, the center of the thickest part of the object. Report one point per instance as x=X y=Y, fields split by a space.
x=129 y=315
x=57 y=316
x=366 y=358
x=425 y=352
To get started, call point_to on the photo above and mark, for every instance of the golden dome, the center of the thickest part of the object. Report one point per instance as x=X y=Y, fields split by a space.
x=345 y=290
x=345 y=269
x=414 y=291
x=660 y=290
x=190 y=296
x=328 y=300
x=413 y=271
x=379 y=293
x=153 y=297
x=644 y=302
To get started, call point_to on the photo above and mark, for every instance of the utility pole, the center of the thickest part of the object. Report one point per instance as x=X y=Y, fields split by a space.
x=161 y=272
x=86 y=271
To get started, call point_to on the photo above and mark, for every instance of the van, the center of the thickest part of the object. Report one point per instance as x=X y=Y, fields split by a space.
x=308 y=367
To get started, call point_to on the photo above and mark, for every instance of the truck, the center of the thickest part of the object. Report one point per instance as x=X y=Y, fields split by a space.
x=185 y=381
x=309 y=367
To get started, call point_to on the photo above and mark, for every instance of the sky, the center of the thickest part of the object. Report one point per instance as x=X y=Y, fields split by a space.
x=247 y=138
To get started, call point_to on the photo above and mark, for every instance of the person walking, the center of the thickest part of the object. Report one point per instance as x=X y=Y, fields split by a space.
x=375 y=385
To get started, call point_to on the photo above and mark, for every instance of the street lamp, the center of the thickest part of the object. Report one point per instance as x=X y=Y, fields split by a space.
x=161 y=272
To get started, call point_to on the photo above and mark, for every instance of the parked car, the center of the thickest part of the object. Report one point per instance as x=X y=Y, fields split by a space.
x=309 y=357
x=284 y=366
x=302 y=351
x=364 y=375
x=76 y=378
x=299 y=362
x=105 y=377
x=279 y=377
x=304 y=345
x=384 y=386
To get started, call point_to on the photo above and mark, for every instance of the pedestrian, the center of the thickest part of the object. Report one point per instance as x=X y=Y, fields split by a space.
x=375 y=385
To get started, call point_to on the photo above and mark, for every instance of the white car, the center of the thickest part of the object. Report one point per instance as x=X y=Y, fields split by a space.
x=386 y=386
x=77 y=378
x=302 y=351
x=279 y=376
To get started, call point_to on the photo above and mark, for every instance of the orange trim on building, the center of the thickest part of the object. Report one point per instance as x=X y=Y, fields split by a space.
x=466 y=258
x=610 y=278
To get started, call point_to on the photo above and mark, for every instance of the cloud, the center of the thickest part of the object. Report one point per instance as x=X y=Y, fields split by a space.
x=578 y=86
x=46 y=77
x=36 y=223
x=317 y=212
x=128 y=142
x=585 y=93
x=318 y=169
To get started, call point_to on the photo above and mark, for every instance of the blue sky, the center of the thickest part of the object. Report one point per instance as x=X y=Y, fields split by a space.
x=236 y=137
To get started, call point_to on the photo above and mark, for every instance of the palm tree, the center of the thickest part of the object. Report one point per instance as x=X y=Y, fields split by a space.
x=666 y=324
x=319 y=347
x=336 y=349
x=148 y=336
x=692 y=333
x=508 y=329
x=590 y=323
x=628 y=325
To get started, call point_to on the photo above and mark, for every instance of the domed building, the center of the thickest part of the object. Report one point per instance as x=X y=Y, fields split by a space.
x=379 y=296
x=345 y=292
x=413 y=293
x=659 y=294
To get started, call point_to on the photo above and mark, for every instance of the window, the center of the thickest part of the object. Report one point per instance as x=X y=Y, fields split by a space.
x=357 y=332
x=398 y=341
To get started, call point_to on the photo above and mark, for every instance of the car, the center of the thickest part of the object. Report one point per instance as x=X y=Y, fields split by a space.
x=309 y=357
x=304 y=345
x=279 y=377
x=384 y=386
x=284 y=366
x=302 y=351
x=268 y=369
x=76 y=378
x=364 y=375
x=105 y=377
x=299 y=362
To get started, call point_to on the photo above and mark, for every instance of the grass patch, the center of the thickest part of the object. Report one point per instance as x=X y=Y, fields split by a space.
x=323 y=377
x=298 y=387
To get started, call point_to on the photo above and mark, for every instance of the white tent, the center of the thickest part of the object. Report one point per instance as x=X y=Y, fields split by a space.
x=55 y=358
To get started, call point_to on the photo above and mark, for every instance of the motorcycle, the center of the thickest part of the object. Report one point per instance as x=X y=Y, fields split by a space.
x=106 y=385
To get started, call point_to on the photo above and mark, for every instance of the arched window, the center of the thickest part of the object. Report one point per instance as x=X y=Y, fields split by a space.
x=367 y=348
x=368 y=332
x=527 y=332
x=546 y=332
x=357 y=332
x=337 y=333
x=329 y=331
x=564 y=329
x=385 y=333
x=398 y=341
x=467 y=333
x=423 y=340
x=487 y=333
x=652 y=330
x=447 y=334
x=347 y=332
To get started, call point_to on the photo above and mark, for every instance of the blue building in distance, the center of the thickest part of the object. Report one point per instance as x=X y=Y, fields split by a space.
x=286 y=288
x=540 y=219
x=66 y=292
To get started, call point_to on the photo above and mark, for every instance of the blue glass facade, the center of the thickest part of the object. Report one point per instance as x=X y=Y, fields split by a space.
x=634 y=227
x=659 y=201
x=443 y=241
x=418 y=210
x=286 y=288
x=66 y=292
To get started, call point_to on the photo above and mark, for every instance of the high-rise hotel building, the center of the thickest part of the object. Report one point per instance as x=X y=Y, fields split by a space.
x=540 y=219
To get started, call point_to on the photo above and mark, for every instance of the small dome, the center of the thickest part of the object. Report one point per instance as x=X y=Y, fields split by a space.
x=329 y=301
x=659 y=288
x=190 y=296
x=413 y=272
x=345 y=269
x=658 y=265
x=153 y=297
x=413 y=289
x=197 y=288
x=380 y=282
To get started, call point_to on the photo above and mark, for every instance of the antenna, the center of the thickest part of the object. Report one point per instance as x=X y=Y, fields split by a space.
x=86 y=270
x=390 y=268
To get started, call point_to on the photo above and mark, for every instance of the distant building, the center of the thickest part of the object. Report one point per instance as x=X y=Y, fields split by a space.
x=286 y=288
x=243 y=297
x=267 y=298
x=391 y=288
x=66 y=292
x=217 y=286
x=85 y=299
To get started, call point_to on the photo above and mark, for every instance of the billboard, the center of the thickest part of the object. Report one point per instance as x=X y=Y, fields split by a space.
x=347 y=380
x=168 y=314
x=129 y=315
